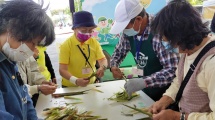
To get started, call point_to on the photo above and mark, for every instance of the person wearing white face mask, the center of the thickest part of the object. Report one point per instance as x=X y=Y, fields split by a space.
x=156 y=65
x=79 y=53
x=23 y=25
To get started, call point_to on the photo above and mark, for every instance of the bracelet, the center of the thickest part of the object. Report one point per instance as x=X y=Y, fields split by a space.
x=73 y=79
x=182 y=116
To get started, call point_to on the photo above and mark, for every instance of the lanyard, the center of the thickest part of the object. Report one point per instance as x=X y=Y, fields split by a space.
x=138 y=45
x=86 y=58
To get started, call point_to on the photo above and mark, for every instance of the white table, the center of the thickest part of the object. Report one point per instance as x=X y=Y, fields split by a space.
x=97 y=102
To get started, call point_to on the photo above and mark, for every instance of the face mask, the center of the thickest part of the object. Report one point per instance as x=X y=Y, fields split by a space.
x=83 y=36
x=168 y=47
x=22 y=53
x=131 y=31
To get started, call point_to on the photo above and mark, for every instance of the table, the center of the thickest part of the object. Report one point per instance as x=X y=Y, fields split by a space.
x=97 y=102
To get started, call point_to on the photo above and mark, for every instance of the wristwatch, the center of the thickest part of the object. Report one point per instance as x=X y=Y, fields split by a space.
x=182 y=116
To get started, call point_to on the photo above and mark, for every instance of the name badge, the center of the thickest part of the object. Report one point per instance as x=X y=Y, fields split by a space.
x=86 y=70
x=136 y=71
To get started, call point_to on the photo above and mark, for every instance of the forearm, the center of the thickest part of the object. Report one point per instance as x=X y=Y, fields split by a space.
x=103 y=63
x=65 y=74
x=166 y=100
x=120 y=52
x=161 y=78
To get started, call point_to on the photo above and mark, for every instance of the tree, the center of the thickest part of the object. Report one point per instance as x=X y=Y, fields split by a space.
x=196 y=2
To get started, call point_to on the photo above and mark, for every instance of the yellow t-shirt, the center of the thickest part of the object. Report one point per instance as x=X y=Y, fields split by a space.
x=42 y=63
x=72 y=56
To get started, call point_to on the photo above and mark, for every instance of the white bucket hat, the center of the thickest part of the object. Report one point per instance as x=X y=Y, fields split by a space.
x=125 y=11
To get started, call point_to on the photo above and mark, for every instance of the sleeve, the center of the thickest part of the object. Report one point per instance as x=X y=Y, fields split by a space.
x=209 y=84
x=168 y=59
x=99 y=52
x=173 y=89
x=49 y=65
x=31 y=112
x=36 y=77
x=4 y=115
x=120 y=52
x=32 y=90
x=64 y=53
x=213 y=24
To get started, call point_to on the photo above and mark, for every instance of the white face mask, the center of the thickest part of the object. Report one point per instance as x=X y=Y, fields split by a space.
x=22 y=53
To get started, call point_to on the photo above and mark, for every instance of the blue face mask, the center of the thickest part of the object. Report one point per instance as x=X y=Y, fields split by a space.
x=168 y=47
x=130 y=32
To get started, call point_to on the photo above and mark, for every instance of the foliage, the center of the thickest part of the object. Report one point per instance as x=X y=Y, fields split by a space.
x=196 y=2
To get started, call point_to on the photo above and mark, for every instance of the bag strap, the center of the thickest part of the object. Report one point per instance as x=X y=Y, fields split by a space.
x=192 y=69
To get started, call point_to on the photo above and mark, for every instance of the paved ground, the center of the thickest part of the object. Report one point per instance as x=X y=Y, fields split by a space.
x=52 y=50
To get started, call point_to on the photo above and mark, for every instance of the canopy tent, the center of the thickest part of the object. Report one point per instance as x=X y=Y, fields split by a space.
x=208 y=9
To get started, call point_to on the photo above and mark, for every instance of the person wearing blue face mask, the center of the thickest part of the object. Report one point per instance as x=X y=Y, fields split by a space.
x=79 y=53
x=23 y=25
x=156 y=65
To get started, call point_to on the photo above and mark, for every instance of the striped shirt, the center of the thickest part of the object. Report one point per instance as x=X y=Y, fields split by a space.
x=168 y=59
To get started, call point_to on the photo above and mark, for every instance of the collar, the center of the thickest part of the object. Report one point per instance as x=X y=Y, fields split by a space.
x=76 y=42
x=2 y=56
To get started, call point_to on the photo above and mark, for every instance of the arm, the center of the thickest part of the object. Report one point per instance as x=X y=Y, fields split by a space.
x=168 y=60
x=64 y=71
x=32 y=89
x=49 y=65
x=4 y=115
x=213 y=24
x=120 y=52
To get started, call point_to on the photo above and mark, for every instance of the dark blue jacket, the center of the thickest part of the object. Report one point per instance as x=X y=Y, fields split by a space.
x=15 y=103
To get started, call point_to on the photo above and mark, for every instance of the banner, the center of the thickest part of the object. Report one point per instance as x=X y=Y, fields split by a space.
x=103 y=13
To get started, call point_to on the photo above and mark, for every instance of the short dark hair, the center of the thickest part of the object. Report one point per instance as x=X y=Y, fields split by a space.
x=181 y=24
x=141 y=14
x=26 y=20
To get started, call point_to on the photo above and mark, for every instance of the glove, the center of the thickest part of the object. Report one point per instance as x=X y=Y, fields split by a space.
x=134 y=85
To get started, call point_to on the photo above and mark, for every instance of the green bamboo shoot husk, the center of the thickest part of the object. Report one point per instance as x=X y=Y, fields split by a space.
x=140 y=110
x=69 y=113
x=123 y=96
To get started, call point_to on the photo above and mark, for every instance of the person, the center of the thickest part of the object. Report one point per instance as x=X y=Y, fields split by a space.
x=34 y=80
x=44 y=64
x=213 y=24
x=79 y=53
x=156 y=64
x=23 y=25
x=181 y=25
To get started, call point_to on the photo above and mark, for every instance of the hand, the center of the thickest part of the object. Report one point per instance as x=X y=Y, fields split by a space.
x=47 y=89
x=100 y=72
x=48 y=83
x=83 y=82
x=160 y=105
x=134 y=85
x=54 y=80
x=166 y=115
x=117 y=74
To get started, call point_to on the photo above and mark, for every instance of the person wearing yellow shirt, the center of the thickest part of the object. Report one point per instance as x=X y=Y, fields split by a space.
x=79 y=53
x=44 y=63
